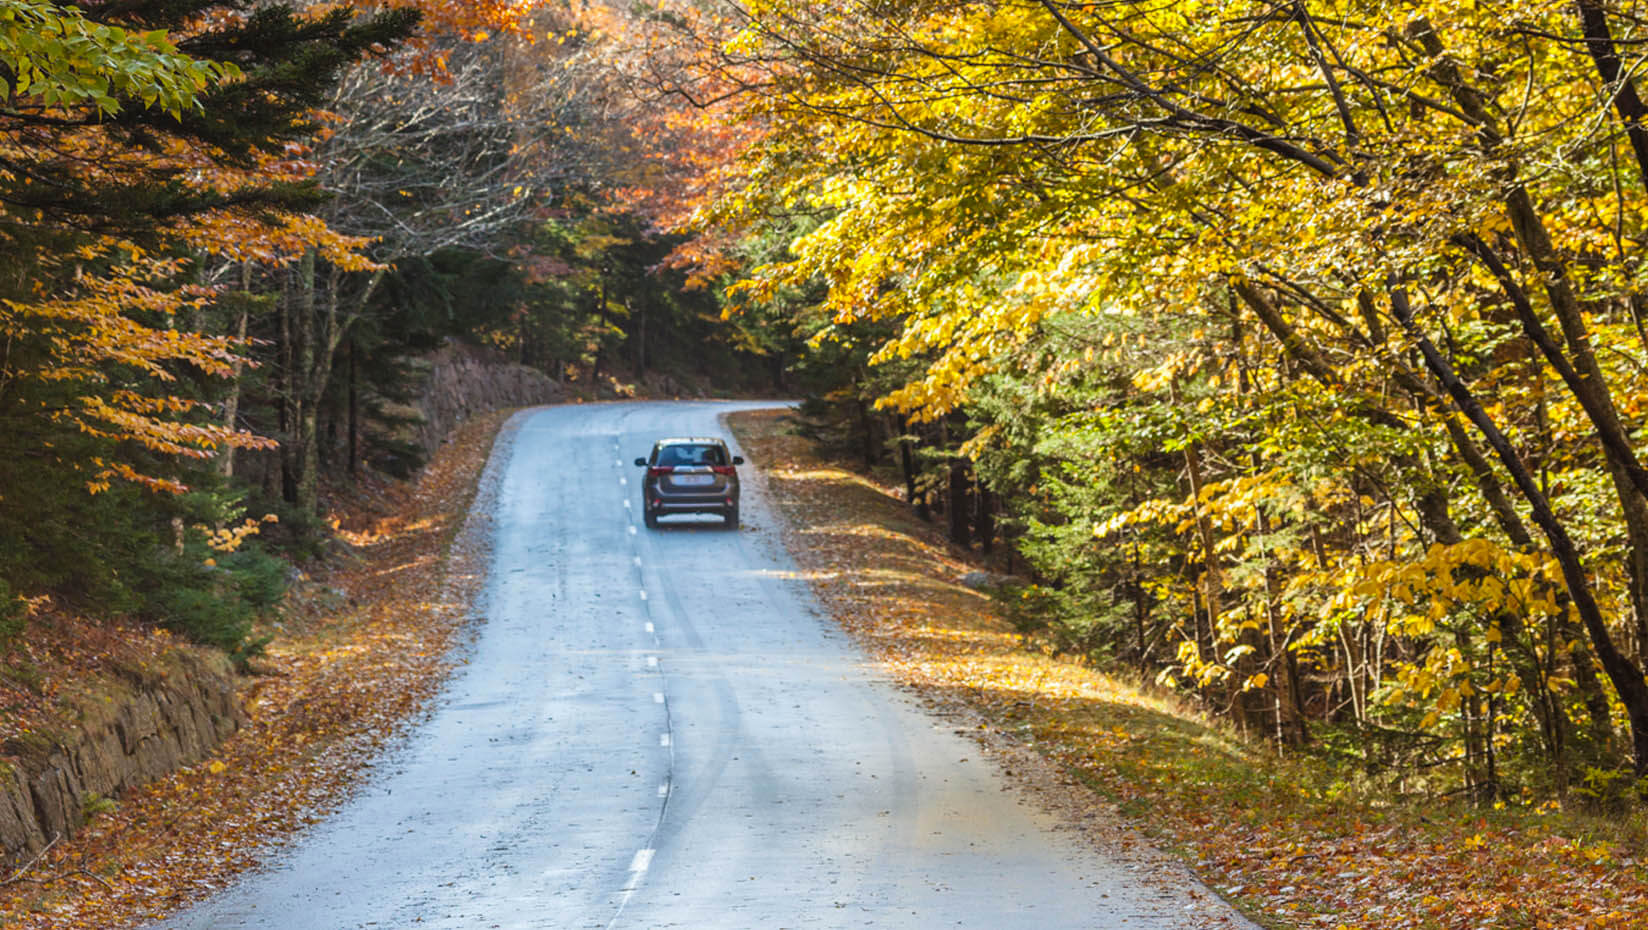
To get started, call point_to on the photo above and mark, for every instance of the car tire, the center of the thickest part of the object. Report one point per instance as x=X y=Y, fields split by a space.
x=731 y=516
x=649 y=517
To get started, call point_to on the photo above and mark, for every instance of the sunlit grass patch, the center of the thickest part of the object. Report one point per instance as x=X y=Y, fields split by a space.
x=962 y=636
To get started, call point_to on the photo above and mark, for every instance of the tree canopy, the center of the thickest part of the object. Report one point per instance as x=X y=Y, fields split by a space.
x=1303 y=338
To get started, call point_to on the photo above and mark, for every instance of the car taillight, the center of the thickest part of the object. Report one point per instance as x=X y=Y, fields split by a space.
x=722 y=469
x=658 y=470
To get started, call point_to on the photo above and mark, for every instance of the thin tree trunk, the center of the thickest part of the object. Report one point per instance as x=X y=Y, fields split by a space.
x=985 y=525
x=1290 y=707
x=354 y=412
x=866 y=429
x=641 y=343
x=289 y=392
x=600 y=336
x=956 y=508
x=306 y=455
x=1212 y=578
x=231 y=404
x=907 y=464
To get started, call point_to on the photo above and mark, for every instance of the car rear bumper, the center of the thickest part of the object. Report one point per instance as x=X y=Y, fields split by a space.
x=694 y=503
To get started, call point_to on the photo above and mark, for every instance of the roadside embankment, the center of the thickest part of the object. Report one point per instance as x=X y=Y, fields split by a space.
x=153 y=718
x=95 y=713
x=465 y=381
x=365 y=643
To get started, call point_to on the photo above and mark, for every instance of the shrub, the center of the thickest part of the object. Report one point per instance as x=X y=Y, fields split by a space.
x=206 y=616
x=1611 y=790
x=259 y=578
x=215 y=598
x=92 y=804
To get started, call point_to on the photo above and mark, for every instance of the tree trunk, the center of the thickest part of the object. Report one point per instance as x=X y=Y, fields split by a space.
x=354 y=413
x=1290 y=706
x=1212 y=578
x=600 y=336
x=288 y=380
x=231 y=404
x=956 y=508
x=305 y=454
x=641 y=343
x=866 y=430
x=907 y=464
x=1599 y=42
x=985 y=524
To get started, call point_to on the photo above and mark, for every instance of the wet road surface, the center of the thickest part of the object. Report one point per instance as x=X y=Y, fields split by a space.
x=656 y=728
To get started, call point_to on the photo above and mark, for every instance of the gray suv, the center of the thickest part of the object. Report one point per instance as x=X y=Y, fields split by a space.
x=693 y=475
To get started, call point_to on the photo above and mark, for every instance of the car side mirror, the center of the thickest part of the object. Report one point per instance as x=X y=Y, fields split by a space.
x=738 y=460
x=641 y=461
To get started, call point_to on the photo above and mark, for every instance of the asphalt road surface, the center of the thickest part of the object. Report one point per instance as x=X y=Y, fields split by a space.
x=658 y=728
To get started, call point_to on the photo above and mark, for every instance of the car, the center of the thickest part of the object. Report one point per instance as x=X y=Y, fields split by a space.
x=690 y=475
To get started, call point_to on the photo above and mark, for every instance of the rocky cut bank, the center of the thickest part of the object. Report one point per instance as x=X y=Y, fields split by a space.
x=130 y=729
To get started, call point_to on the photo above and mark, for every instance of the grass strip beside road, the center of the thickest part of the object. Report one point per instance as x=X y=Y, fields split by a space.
x=1293 y=842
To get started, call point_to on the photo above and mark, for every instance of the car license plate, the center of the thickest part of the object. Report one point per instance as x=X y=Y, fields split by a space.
x=692 y=480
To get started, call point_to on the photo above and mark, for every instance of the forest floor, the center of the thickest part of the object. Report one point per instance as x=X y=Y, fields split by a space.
x=1286 y=839
x=368 y=641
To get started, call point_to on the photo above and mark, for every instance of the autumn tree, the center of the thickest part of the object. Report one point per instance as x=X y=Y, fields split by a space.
x=1404 y=240
x=129 y=131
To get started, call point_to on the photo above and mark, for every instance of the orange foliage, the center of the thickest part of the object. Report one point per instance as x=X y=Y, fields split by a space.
x=665 y=92
x=476 y=20
x=86 y=335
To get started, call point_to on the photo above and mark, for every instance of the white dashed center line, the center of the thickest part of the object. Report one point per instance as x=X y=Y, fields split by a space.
x=663 y=739
x=642 y=860
x=637 y=867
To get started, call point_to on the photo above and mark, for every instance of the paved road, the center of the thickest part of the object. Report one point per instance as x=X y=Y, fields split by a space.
x=658 y=729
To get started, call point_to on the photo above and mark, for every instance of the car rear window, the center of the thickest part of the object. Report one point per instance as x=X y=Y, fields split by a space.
x=692 y=455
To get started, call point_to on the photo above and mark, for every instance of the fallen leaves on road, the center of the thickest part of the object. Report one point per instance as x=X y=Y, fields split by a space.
x=361 y=651
x=1268 y=833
